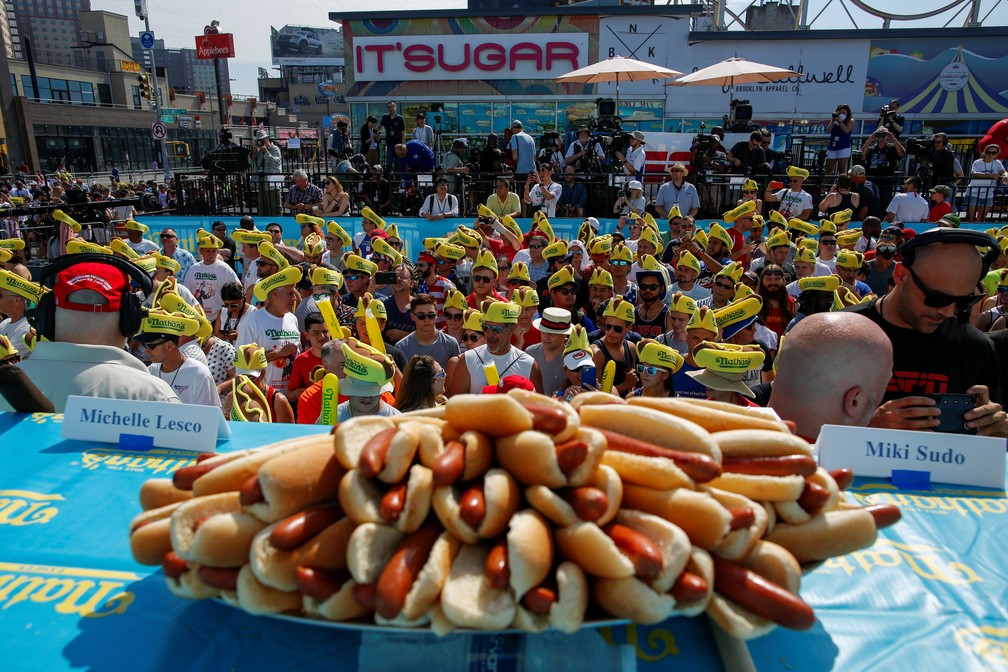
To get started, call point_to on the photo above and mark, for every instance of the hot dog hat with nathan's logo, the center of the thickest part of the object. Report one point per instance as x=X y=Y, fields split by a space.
x=12 y=282
x=650 y=235
x=268 y=252
x=842 y=217
x=333 y=228
x=119 y=246
x=680 y=303
x=778 y=239
x=620 y=310
x=249 y=360
x=848 y=238
x=689 y=261
x=600 y=245
x=827 y=226
x=456 y=300
x=368 y=302
x=132 y=225
x=304 y=218
x=5 y=256
x=600 y=276
x=173 y=303
x=743 y=291
x=718 y=232
x=246 y=237
x=502 y=312
x=653 y=353
x=795 y=171
x=526 y=297
x=820 y=283
x=849 y=259
x=14 y=243
x=485 y=259
x=161 y=323
x=724 y=366
x=79 y=246
x=367 y=370
x=326 y=277
x=804 y=256
x=355 y=264
x=146 y=263
x=577 y=353
x=61 y=216
x=288 y=277
x=519 y=271
x=732 y=271
x=564 y=276
x=209 y=242
x=745 y=210
x=554 y=250
x=738 y=315
x=370 y=215
x=779 y=219
x=167 y=263
x=383 y=248
x=674 y=213
x=802 y=226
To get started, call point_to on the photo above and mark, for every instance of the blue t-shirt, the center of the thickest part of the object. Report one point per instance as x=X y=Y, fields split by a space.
x=525 y=146
x=687 y=386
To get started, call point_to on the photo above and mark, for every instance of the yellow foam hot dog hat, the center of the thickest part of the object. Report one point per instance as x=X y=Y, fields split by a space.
x=502 y=312
x=544 y=225
x=457 y=300
x=80 y=246
x=512 y=226
x=849 y=259
x=796 y=224
x=744 y=210
x=371 y=216
x=355 y=263
x=485 y=259
x=585 y=232
x=288 y=277
x=821 y=283
x=848 y=238
x=842 y=217
x=246 y=237
x=333 y=228
x=778 y=239
x=392 y=232
x=732 y=271
x=483 y=211
x=166 y=262
x=680 y=303
x=132 y=225
x=701 y=239
x=600 y=276
x=555 y=249
x=473 y=320
x=674 y=213
x=173 y=303
x=724 y=366
x=26 y=289
x=600 y=245
x=777 y=218
x=310 y=219
x=382 y=247
x=519 y=271
x=5 y=256
x=7 y=349
x=620 y=310
x=650 y=235
x=526 y=297
x=808 y=244
x=364 y=364
x=827 y=226
x=32 y=339
x=737 y=315
x=248 y=403
x=703 y=318
x=564 y=276
x=268 y=252
x=743 y=291
x=61 y=216
x=466 y=237
x=249 y=359
x=119 y=246
x=314 y=246
x=653 y=353
x=325 y=277
x=368 y=302
x=687 y=260
x=718 y=232
x=208 y=242
x=577 y=353
x=147 y=263
x=449 y=251
x=804 y=256
x=621 y=252
x=795 y=171
x=168 y=324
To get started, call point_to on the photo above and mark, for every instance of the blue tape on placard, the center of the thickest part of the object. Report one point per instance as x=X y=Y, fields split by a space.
x=911 y=479
x=135 y=441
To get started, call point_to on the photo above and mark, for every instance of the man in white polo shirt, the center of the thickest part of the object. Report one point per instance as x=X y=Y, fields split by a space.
x=274 y=327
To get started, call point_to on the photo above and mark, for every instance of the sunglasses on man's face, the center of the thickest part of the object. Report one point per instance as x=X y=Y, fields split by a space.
x=616 y=328
x=483 y=278
x=452 y=317
x=722 y=285
x=827 y=242
x=936 y=299
x=353 y=276
x=650 y=287
x=516 y=283
x=619 y=262
x=495 y=328
x=773 y=274
x=425 y=316
x=423 y=268
x=748 y=191
x=536 y=246
x=991 y=153
x=566 y=291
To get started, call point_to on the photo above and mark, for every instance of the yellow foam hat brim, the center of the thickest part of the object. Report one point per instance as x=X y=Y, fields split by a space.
x=502 y=313
x=288 y=277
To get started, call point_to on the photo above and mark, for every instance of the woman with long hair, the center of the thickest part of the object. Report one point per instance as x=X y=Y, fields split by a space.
x=335 y=200
x=778 y=305
x=841 y=131
x=422 y=385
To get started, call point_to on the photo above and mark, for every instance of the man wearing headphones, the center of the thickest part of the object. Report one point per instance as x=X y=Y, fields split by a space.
x=88 y=316
x=933 y=351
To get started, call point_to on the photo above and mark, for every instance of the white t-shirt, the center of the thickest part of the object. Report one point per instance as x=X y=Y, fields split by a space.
x=271 y=333
x=792 y=204
x=15 y=332
x=205 y=282
x=143 y=247
x=192 y=382
x=192 y=350
x=984 y=186
x=909 y=207
x=250 y=273
x=548 y=206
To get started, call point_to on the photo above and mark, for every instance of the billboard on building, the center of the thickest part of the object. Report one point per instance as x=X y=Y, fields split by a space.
x=303 y=45
x=939 y=76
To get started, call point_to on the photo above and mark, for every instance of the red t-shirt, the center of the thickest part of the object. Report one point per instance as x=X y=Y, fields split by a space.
x=302 y=368
x=775 y=319
x=939 y=211
x=474 y=302
x=532 y=336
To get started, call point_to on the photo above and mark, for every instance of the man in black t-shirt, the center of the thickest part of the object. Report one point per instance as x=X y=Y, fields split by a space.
x=748 y=158
x=933 y=352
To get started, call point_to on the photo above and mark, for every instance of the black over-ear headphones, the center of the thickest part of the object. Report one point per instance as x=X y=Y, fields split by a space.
x=949 y=236
x=131 y=310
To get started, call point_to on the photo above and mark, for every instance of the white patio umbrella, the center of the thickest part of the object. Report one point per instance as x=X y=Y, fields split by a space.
x=732 y=71
x=618 y=69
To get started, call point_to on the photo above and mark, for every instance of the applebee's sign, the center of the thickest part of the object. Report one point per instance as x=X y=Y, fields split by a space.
x=218 y=45
x=461 y=57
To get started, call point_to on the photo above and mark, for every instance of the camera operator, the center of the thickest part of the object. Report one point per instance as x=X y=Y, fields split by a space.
x=882 y=153
x=491 y=158
x=748 y=157
x=632 y=163
x=267 y=166
x=630 y=201
x=545 y=194
x=708 y=151
x=937 y=163
x=340 y=146
x=552 y=152
x=584 y=154
x=573 y=197
x=891 y=119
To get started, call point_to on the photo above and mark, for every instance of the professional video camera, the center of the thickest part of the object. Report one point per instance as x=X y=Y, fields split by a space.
x=617 y=142
x=549 y=140
x=921 y=145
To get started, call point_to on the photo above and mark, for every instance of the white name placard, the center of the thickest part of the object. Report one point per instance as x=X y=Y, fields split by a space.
x=141 y=425
x=949 y=458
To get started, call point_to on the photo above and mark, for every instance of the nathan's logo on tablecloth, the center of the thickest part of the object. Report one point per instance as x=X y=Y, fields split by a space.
x=156 y=462
x=965 y=503
x=72 y=591
x=23 y=507
x=928 y=562
x=988 y=643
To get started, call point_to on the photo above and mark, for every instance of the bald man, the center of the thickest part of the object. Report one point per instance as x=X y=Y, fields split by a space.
x=832 y=370
x=934 y=352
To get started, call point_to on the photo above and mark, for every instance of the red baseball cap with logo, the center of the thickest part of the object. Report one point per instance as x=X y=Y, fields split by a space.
x=105 y=279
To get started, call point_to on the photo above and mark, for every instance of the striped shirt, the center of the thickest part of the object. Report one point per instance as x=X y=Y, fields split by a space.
x=439 y=291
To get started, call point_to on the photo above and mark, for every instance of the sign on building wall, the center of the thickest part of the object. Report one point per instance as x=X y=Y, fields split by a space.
x=302 y=45
x=938 y=76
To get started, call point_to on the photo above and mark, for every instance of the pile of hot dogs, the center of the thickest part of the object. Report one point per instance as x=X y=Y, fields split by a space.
x=513 y=511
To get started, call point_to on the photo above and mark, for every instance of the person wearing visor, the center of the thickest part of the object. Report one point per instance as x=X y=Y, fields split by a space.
x=723 y=367
x=577 y=358
x=657 y=365
x=190 y=379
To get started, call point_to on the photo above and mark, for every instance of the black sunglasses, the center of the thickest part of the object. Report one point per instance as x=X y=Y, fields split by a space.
x=566 y=291
x=935 y=299
x=612 y=327
x=452 y=316
x=425 y=316
x=483 y=278
x=650 y=287
x=470 y=337
x=718 y=284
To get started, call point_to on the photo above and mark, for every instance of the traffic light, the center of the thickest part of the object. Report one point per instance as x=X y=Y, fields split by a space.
x=145 y=87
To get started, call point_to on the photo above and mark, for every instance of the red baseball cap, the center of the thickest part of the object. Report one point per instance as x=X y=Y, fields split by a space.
x=105 y=279
x=510 y=383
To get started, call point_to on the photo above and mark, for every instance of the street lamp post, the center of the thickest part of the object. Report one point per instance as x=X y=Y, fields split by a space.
x=141 y=12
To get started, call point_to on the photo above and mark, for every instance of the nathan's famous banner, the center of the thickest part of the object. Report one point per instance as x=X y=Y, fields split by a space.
x=468 y=56
x=938 y=76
